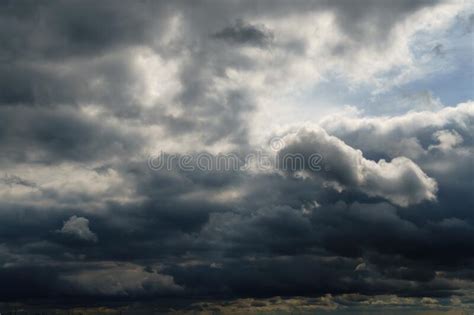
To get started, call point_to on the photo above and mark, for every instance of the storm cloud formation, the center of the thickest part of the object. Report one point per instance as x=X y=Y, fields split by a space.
x=89 y=90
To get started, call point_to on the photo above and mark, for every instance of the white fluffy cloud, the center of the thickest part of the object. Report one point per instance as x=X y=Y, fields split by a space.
x=447 y=140
x=400 y=180
x=410 y=134
x=78 y=227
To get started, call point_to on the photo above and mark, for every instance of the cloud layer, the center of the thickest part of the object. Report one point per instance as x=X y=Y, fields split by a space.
x=91 y=90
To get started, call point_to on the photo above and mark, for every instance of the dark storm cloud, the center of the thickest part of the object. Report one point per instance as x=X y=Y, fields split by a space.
x=52 y=30
x=73 y=54
x=28 y=282
x=47 y=135
x=242 y=33
x=202 y=245
x=79 y=34
x=372 y=21
x=112 y=227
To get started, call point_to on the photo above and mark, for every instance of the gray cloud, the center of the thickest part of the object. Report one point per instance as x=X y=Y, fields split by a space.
x=242 y=33
x=399 y=180
x=89 y=89
x=11 y=180
x=116 y=280
x=78 y=227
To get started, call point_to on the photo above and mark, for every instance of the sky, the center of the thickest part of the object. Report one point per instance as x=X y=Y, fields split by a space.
x=349 y=123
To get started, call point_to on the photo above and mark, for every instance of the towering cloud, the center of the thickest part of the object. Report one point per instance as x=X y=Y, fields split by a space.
x=399 y=180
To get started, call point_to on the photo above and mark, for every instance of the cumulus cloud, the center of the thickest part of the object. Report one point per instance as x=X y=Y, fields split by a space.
x=392 y=135
x=11 y=180
x=447 y=140
x=78 y=228
x=400 y=180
